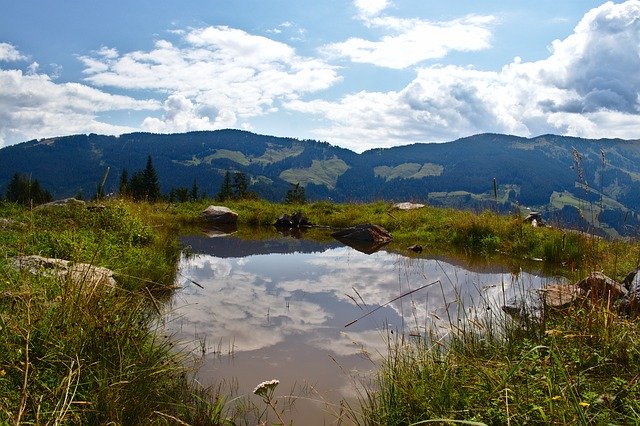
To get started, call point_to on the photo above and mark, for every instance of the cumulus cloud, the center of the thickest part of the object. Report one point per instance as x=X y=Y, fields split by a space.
x=369 y=8
x=8 y=53
x=33 y=106
x=588 y=86
x=213 y=70
x=413 y=40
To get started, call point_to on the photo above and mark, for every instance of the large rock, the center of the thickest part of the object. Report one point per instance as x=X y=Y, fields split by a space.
x=82 y=275
x=600 y=287
x=219 y=214
x=561 y=295
x=630 y=304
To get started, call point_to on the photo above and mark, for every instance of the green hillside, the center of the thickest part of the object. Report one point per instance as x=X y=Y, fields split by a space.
x=577 y=182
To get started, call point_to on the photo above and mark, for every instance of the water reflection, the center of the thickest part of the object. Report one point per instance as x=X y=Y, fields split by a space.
x=280 y=307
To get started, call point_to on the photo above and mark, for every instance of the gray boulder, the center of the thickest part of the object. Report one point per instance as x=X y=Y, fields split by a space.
x=220 y=214
x=83 y=276
x=600 y=287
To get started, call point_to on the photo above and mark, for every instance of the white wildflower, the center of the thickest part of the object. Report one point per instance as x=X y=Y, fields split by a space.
x=266 y=387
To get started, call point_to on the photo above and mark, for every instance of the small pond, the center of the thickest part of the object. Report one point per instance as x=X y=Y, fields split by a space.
x=284 y=308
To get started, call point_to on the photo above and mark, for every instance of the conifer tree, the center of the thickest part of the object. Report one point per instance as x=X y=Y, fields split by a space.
x=23 y=190
x=296 y=195
x=124 y=188
x=194 y=190
x=240 y=186
x=226 y=191
x=151 y=183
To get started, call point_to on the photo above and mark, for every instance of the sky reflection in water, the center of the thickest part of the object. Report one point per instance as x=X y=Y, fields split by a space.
x=281 y=306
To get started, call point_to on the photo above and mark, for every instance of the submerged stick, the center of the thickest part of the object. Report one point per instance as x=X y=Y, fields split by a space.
x=391 y=301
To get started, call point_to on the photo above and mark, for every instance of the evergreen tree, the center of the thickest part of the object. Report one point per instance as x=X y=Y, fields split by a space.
x=151 y=182
x=194 y=190
x=137 y=186
x=226 y=191
x=240 y=186
x=124 y=188
x=296 y=195
x=23 y=190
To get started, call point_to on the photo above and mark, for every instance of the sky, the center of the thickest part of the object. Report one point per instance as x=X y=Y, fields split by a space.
x=359 y=74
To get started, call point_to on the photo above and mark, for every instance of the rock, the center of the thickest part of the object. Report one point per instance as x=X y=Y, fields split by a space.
x=599 y=286
x=7 y=223
x=365 y=232
x=66 y=202
x=415 y=248
x=630 y=304
x=83 y=275
x=407 y=206
x=560 y=295
x=296 y=220
x=534 y=218
x=219 y=214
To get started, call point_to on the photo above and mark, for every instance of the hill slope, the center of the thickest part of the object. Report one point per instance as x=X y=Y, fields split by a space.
x=572 y=180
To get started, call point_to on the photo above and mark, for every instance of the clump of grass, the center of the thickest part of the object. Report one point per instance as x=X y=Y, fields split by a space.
x=580 y=365
x=70 y=357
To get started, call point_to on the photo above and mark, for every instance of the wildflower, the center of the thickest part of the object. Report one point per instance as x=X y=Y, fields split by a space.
x=266 y=388
x=556 y=398
x=583 y=404
x=2 y=373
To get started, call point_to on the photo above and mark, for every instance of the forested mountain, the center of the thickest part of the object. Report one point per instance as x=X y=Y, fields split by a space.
x=576 y=181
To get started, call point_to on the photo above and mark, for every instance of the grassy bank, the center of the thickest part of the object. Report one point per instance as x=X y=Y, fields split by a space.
x=70 y=356
x=581 y=366
x=445 y=231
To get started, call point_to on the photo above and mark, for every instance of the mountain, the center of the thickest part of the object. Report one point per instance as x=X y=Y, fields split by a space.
x=574 y=181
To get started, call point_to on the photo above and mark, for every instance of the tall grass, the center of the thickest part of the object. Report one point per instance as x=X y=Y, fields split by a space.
x=69 y=356
x=579 y=365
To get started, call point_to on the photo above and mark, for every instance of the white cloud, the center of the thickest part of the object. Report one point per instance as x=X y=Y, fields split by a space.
x=8 y=53
x=33 y=106
x=371 y=7
x=589 y=86
x=414 y=41
x=224 y=73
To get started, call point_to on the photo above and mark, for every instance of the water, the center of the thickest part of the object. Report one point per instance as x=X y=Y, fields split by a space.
x=284 y=308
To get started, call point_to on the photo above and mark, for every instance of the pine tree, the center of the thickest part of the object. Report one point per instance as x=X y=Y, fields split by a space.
x=23 y=190
x=296 y=195
x=226 y=191
x=151 y=183
x=240 y=186
x=194 y=190
x=124 y=189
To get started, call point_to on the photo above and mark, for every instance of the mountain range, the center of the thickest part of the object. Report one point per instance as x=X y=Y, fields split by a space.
x=572 y=181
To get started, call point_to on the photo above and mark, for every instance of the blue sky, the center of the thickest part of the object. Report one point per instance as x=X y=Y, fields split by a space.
x=359 y=74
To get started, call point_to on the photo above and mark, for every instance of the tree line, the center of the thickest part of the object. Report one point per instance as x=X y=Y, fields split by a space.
x=144 y=185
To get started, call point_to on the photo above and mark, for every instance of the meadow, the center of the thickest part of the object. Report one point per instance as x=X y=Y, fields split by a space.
x=75 y=358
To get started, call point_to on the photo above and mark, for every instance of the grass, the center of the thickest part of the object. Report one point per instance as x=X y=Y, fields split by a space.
x=67 y=358
x=73 y=358
x=579 y=367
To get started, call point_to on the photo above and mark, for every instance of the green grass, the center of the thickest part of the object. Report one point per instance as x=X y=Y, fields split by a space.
x=67 y=358
x=581 y=367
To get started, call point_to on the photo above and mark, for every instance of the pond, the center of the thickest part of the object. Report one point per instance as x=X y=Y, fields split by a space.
x=316 y=315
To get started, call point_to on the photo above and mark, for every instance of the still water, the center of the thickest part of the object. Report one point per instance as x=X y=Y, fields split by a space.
x=284 y=308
